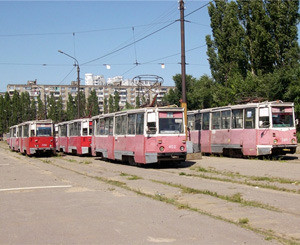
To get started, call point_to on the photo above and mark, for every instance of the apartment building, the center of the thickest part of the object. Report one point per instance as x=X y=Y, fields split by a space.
x=128 y=92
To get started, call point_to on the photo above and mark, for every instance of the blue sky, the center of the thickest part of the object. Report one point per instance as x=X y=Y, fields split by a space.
x=31 y=33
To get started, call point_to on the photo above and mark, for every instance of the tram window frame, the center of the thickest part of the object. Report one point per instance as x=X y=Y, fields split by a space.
x=264 y=117
x=63 y=130
x=140 y=123
x=225 y=119
x=118 y=125
x=124 y=124
x=235 y=119
x=111 y=126
x=249 y=118
x=205 y=121
x=101 y=127
x=198 y=121
x=25 y=129
x=131 y=129
x=106 y=126
x=191 y=122
x=216 y=120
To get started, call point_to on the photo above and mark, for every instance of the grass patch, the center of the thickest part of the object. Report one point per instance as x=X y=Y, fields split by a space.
x=86 y=162
x=130 y=176
x=247 y=179
x=46 y=161
x=243 y=221
x=236 y=198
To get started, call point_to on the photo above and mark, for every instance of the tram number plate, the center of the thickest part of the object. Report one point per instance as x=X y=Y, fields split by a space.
x=286 y=149
x=172 y=146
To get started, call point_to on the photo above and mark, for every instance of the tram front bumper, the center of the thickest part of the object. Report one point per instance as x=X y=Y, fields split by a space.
x=160 y=157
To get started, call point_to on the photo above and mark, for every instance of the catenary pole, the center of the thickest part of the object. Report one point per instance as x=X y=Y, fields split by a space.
x=183 y=64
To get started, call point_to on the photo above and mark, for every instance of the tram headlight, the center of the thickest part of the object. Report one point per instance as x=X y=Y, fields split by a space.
x=293 y=141
x=161 y=148
x=182 y=148
x=275 y=141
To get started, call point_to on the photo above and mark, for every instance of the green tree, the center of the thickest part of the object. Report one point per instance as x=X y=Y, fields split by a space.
x=41 y=114
x=16 y=115
x=33 y=111
x=137 y=102
x=25 y=106
x=52 y=108
x=71 y=108
x=82 y=106
x=7 y=111
x=60 y=112
x=92 y=104
x=128 y=106
x=116 y=101
x=110 y=104
x=105 y=106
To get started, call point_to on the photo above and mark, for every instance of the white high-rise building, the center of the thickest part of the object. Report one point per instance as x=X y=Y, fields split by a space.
x=94 y=80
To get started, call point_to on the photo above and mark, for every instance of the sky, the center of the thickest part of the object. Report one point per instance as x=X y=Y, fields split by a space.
x=98 y=33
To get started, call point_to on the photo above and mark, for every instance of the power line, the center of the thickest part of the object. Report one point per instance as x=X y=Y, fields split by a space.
x=128 y=45
x=197 y=9
x=77 y=32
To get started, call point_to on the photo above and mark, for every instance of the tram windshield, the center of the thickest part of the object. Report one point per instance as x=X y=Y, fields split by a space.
x=43 y=130
x=282 y=117
x=170 y=123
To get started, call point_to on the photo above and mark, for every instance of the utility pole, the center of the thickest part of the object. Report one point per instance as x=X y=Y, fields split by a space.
x=183 y=71
x=78 y=80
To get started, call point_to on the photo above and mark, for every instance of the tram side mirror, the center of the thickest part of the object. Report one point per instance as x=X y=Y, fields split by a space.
x=297 y=121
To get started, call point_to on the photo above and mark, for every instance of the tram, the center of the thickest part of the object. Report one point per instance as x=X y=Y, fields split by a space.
x=75 y=136
x=140 y=136
x=32 y=137
x=253 y=129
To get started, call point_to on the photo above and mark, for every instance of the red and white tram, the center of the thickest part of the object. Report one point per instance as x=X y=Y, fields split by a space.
x=75 y=136
x=142 y=136
x=33 y=137
x=14 y=138
x=252 y=129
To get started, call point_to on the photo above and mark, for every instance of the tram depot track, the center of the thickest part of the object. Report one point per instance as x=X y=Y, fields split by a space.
x=259 y=195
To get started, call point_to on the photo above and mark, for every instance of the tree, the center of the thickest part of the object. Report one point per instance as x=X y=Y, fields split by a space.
x=7 y=112
x=60 y=112
x=33 y=111
x=71 y=109
x=92 y=104
x=137 y=102
x=82 y=106
x=25 y=106
x=110 y=104
x=52 y=108
x=128 y=106
x=41 y=114
x=16 y=115
x=105 y=106
x=116 y=101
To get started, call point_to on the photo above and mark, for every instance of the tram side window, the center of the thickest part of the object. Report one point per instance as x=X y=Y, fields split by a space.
x=237 y=118
x=140 y=123
x=25 y=131
x=225 y=119
x=123 y=124
x=249 y=118
x=63 y=130
x=198 y=121
x=118 y=125
x=191 y=122
x=216 y=120
x=101 y=126
x=264 y=121
x=19 y=131
x=205 y=122
x=106 y=126
x=131 y=123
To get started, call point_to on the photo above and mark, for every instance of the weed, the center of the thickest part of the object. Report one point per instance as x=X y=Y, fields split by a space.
x=134 y=177
x=243 y=221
